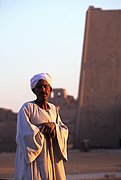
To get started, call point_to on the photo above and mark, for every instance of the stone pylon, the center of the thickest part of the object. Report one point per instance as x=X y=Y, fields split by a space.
x=99 y=98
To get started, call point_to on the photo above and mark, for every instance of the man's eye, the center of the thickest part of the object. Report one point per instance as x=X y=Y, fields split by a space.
x=40 y=86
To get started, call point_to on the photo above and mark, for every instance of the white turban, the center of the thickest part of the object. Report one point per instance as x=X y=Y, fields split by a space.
x=44 y=76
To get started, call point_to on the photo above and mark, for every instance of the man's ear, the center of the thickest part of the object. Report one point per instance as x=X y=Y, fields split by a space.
x=33 y=90
x=51 y=89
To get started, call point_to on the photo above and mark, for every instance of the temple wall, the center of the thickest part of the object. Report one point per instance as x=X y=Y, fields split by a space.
x=99 y=105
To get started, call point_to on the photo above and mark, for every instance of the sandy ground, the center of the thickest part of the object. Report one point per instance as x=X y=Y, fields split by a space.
x=79 y=164
x=93 y=161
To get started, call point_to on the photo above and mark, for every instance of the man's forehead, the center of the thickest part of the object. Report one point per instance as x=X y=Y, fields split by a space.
x=42 y=81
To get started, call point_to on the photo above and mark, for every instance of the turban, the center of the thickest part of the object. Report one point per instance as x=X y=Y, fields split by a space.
x=44 y=76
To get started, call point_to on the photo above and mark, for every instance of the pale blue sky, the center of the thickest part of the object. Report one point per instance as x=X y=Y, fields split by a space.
x=42 y=36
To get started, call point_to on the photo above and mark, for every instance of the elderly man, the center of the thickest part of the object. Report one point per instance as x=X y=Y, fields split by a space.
x=41 y=136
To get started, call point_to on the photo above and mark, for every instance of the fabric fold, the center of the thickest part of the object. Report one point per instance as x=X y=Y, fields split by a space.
x=29 y=138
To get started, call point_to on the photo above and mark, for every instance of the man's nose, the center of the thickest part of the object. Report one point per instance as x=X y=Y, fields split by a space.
x=43 y=88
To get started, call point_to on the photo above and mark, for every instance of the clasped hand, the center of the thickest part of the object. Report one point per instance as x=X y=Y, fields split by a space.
x=48 y=129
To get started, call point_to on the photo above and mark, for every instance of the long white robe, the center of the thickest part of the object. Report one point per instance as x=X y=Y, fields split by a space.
x=32 y=154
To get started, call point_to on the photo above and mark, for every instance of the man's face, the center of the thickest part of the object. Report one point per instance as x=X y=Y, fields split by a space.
x=42 y=90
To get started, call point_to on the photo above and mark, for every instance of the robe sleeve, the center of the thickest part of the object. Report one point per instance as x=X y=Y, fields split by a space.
x=62 y=136
x=28 y=137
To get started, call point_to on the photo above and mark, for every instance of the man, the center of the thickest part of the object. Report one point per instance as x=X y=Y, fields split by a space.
x=41 y=136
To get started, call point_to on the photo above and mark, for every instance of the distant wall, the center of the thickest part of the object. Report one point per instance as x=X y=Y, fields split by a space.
x=7 y=130
x=99 y=105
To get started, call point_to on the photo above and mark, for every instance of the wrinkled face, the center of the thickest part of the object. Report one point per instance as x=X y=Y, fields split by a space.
x=42 y=90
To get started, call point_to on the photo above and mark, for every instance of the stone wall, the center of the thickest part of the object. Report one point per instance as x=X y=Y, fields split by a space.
x=7 y=130
x=99 y=105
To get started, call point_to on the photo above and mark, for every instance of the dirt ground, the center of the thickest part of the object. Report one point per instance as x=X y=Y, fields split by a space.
x=95 y=161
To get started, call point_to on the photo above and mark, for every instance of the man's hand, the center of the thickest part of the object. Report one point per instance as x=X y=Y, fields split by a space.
x=48 y=128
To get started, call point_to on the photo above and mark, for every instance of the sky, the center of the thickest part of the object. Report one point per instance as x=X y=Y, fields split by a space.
x=42 y=36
